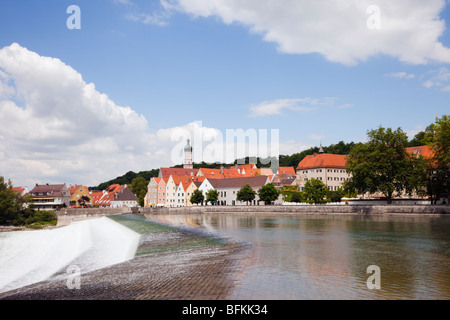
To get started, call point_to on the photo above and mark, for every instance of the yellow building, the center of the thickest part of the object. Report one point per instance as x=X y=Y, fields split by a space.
x=80 y=196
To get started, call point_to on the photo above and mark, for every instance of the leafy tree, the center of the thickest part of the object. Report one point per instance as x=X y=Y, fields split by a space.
x=382 y=164
x=139 y=188
x=315 y=191
x=83 y=200
x=438 y=167
x=418 y=140
x=246 y=193
x=335 y=196
x=296 y=197
x=11 y=202
x=197 y=197
x=268 y=193
x=212 y=196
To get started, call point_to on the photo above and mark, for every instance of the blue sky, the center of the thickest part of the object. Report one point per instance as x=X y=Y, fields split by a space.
x=314 y=71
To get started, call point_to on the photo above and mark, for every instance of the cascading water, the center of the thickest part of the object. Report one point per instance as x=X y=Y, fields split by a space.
x=27 y=257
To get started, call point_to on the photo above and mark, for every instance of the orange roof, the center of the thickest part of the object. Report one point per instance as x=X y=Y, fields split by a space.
x=286 y=170
x=73 y=189
x=19 y=189
x=210 y=173
x=266 y=172
x=167 y=172
x=323 y=160
x=246 y=166
x=157 y=180
x=424 y=151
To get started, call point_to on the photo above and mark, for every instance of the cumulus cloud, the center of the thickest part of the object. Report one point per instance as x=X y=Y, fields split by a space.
x=339 y=30
x=58 y=128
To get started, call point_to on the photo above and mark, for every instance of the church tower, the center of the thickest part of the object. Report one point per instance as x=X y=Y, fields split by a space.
x=188 y=156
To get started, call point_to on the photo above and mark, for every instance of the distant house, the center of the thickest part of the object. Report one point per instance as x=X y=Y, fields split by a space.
x=326 y=167
x=80 y=196
x=50 y=196
x=228 y=188
x=23 y=191
x=151 y=197
x=103 y=198
x=125 y=198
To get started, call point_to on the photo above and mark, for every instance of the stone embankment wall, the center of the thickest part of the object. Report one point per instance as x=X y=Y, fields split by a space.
x=309 y=209
x=68 y=215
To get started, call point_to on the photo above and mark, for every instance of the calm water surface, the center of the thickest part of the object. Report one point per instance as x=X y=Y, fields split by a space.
x=326 y=257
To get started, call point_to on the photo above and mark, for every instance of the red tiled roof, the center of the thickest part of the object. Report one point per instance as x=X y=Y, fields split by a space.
x=424 y=151
x=286 y=170
x=323 y=160
x=167 y=172
x=19 y=189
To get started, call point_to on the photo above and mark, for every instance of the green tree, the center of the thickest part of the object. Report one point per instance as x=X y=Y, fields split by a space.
x=268 y=193
x=246 y=193
x=12 y=204
x=139 y=188
x=382 y=164
x=212 y=196
x=335 y=196
x=197 y=197
x=315 y=191
x=296 y=197
x=438 y=167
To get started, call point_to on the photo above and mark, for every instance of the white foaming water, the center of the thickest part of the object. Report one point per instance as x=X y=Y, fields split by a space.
x=27 y=257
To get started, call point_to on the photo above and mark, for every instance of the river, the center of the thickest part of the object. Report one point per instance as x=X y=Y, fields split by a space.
x=335 y=256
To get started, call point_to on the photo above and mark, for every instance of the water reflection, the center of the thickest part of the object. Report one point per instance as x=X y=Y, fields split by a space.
x=326 y=257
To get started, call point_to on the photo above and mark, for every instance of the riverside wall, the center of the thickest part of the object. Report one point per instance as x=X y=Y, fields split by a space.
x=307 y=209
x=68 y=215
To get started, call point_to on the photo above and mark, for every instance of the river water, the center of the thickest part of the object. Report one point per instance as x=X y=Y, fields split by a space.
x=327 y=257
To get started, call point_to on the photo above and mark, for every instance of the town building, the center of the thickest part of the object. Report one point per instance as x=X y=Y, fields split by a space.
x=80 y=196
x=228 y=188
x=50 y=196
x=124 y=198
x=326 y=167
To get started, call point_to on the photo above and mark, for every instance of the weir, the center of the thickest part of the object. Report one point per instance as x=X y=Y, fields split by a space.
x=28 y=257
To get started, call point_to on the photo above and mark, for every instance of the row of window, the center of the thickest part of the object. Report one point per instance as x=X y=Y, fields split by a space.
x=320 y=170
x=330 y=179
x=330 y=188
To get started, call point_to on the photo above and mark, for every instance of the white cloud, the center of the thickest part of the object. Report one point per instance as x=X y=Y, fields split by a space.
x=401 y=75
x=276 y=107
x=315 y=137
x=338 y=30
x=438 y=79
x=158 y=19
x=57 y=128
